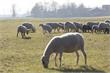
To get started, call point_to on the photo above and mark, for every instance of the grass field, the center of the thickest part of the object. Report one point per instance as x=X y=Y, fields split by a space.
x=23 y=56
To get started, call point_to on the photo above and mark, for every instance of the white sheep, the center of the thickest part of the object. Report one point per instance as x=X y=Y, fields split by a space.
x=68 y=43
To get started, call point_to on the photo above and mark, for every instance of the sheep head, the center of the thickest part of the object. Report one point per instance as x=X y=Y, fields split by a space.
x=45 y=61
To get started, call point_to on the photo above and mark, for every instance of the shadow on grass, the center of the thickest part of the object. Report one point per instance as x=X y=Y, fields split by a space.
x=79 y=69
x=27 y=38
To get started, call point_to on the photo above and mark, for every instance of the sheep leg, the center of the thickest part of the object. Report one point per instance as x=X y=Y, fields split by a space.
x=17 y=33
x=54 y=30
x=56 y=58
x=77 y=54
x=27 y=32
x=95 y=30
x=92 y=30
x=58 y=30
x=64 y=30
x=22 y=35
x=60 y=58
x=85 y=56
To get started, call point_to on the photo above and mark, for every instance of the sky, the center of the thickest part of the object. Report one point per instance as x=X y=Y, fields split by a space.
x=24 y=6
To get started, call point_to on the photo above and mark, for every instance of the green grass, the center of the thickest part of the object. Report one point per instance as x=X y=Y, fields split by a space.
x=23 y=56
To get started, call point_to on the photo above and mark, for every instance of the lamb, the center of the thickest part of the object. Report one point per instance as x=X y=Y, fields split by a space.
x=68 y=43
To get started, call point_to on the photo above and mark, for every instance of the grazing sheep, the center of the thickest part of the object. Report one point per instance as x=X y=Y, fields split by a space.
x=55 y=26
x=95 y=28
x=22 y=30
x=90 y=24
x=30 y=26
x=78 y=25
x=86 y=28
x=46 y=28
x=61 y=26
x=103 y=27
x=68 y=43
x=70 y=27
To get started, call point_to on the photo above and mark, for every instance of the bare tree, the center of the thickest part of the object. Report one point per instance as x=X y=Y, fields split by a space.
x=67 y=10
x=54 y=5
x=13 y=10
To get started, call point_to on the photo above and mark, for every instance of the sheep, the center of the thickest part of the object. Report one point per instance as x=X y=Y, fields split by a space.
x=90 y=24
x=78 y=25
x=70 y=27
x=107 y=30
x=86 y=28
x=103 y=26
x=46 y=28
x=55 y=26
x=107 y=21
x=61 y=26
x=30 y=26
x=68 y=43
x=22 y=30
x=95 y=27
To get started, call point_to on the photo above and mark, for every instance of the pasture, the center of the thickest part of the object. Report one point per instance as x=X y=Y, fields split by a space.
x=24 y=55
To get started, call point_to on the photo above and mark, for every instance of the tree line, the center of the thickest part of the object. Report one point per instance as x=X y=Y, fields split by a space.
x=68 y=10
